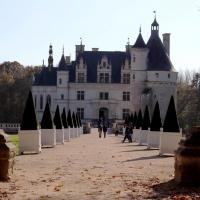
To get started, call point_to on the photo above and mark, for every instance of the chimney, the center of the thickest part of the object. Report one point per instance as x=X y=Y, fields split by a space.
x=79 y=49
x=68 y=59
x=166 y=42
x=95 y=49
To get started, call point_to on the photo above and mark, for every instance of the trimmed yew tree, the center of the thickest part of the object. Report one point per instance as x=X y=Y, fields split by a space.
x=74 y=120
x=146 y=119
x=156 y=123
x=77 y=120
x=47 y=122
x=139 y=120
x=80 y=120
x=64 y=119
x=134 y=119
x=171 y=121
x=57 y=120
x=69 y=119
x=29 y=119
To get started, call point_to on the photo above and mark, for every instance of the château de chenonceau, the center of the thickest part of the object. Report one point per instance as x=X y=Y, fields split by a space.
x=109 y=84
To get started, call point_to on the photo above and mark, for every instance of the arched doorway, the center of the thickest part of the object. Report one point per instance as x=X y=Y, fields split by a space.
x=103 y=113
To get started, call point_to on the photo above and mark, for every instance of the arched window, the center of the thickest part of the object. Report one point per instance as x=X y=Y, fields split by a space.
x=41 y=102
x=49 y=100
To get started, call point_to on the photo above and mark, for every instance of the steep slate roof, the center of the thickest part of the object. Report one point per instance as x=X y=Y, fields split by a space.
x=139 y=42
x=157 y=57
x=62 y=64
x=46 y=77
x=92 y=58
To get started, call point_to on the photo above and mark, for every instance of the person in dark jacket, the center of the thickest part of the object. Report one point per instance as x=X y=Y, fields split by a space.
x=128 y=133
x=104 y=130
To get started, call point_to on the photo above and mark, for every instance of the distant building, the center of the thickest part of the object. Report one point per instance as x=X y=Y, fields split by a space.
x=109 y=84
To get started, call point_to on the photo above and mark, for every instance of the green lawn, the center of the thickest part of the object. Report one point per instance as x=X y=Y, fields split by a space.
x=15 y=140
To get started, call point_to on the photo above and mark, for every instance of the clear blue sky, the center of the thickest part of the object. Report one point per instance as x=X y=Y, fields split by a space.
x=28 y=26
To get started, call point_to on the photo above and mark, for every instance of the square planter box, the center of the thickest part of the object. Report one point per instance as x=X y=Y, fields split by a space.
x=67 y=134
x=169 y=142
x=72 y=132
x=153 y=139
x=143 y=137
x=29 y=141
x=136 y=135
x=48 y=137
x=59 y=136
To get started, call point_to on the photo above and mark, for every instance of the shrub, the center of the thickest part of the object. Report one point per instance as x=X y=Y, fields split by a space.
x=139 y=120
x=64 y=119
x=47 y=122
x=57 y=119
x=156 y=123
x=146 y=119
x=29 y=119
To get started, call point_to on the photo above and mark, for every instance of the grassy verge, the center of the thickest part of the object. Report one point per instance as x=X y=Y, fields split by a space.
x=15 y=140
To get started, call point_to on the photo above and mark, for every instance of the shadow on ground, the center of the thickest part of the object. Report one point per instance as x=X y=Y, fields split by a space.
x=174 y=191
x=147 y=158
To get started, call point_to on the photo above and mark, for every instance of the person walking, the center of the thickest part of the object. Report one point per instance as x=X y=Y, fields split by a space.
x=128 y=133
x=104 y=130
x=100 y=130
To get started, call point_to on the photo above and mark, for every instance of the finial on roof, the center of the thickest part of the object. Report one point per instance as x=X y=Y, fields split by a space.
x=63 y=50
x=81 y=40
x=140 y=29
x=154 y=13
x=43 y=63
x=128 y=43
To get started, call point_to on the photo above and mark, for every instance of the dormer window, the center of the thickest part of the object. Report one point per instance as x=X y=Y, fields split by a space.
x=157 y=75
x=126 y=78
x=80 y=78
x=104 y=64
x=104 y=77
x=62 y=96
x=169 y=75
x=60 y=81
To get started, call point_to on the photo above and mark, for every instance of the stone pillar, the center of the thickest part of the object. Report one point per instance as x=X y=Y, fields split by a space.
x=7 y=154
x=187 y=159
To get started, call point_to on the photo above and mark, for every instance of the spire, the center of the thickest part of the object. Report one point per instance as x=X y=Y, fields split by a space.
x=63 y=50
x=140 y=30
x=154 y=26
x=139 y=42
x=50 y=59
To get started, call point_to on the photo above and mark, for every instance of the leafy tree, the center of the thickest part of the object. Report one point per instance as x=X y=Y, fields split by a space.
x=29 y=119
x=74 y=120
x=47 y=122
x=139 y=120
x=146 y=119
x=69 y=119
x=171 y=122
x=64 y=119
x=57 y=120
x=156 y=123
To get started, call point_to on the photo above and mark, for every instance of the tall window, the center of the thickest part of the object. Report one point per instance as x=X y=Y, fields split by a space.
x=49 y=99
x=60 y=81
x=104 y=77
x=80 y=112
x=80 y=95
x=62 y=96
x=125 y=113
x=126 y=96
x=126 y=78
x=35 y=101
x=81 y=78
x=41 y=102
x=103 y=95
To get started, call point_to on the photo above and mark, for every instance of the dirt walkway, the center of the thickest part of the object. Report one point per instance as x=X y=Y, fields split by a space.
x=91 y=168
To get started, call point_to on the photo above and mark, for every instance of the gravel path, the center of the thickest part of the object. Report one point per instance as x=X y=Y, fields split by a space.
x=92 y=168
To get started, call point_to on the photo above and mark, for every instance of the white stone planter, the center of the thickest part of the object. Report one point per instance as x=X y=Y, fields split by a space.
x=29 y=141
x=169 y=142
x=59 y=136
x=72 y=132
x=67 y=134
x=136 y=135
x=77 y=131
x=153 y=139
x=48 y=137
x=143 y=137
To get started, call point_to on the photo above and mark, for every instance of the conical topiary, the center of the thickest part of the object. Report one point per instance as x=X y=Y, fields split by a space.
x=64 y=119
x=57 y=120
x=171 y=121
x=74 y=120
x=29 y=119
x=139 y=120
x=77 y=120
x=146 y=119
x=134 y=119
x=47 y=122
x=127 y=119
x=80 y=121
x=69 y=119
x=156 y=123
